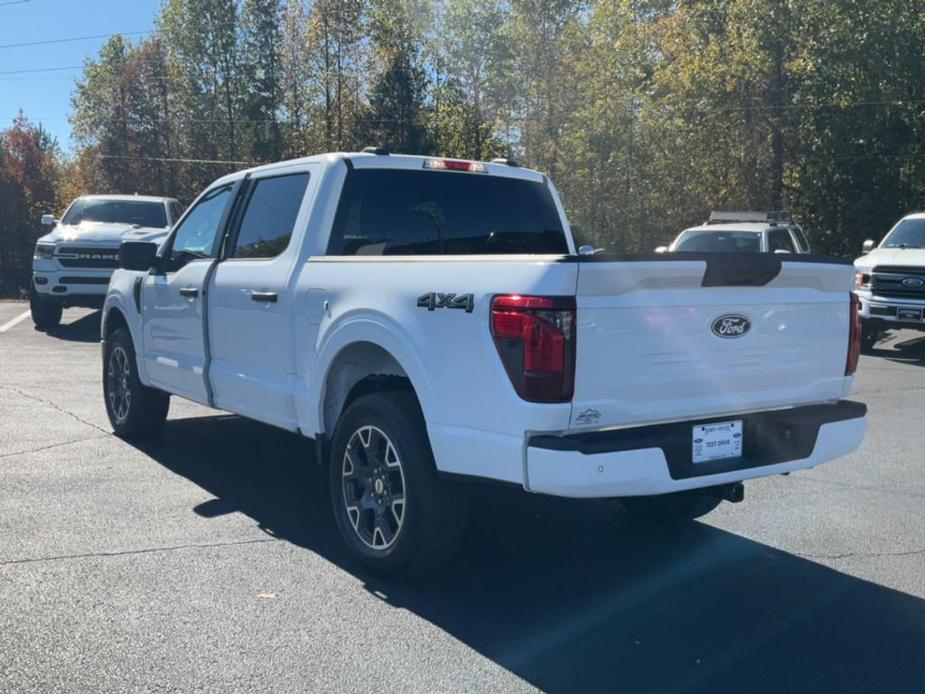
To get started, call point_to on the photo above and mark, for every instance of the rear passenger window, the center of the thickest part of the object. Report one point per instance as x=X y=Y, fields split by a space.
x=269 y=216
x=779 y=240
x=401 y=212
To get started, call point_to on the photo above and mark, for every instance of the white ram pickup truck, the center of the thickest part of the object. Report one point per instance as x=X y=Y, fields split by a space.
x=72 y=264
x=428 y=320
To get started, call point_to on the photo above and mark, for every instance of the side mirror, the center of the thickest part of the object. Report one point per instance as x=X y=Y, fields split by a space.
x=661 y=249
x=48 y=220
x=140 y=256
x=868 y=246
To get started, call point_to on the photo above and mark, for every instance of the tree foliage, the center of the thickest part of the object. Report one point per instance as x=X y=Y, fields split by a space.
x=646 y=113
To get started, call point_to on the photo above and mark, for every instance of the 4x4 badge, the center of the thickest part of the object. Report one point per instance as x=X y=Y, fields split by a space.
x=435 y=300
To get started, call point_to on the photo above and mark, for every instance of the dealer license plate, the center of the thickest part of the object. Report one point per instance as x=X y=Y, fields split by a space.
x=717 y=441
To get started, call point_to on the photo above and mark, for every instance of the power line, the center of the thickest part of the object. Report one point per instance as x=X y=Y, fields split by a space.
x=75 y=38
x=177 y=159
x=13 y=2
x=43 y=69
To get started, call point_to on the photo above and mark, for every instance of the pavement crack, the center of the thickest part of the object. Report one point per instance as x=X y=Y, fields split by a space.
x=56 y=406
x=147 y=550
x=861 y=555
x=51 y=445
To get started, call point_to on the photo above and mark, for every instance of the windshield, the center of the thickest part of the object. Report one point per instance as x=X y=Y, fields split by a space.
x=909 y=233
x=392 y=212
x=142 y=213
x=725 y=240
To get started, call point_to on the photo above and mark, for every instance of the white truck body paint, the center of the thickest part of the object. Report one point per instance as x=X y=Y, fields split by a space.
x=645 y=350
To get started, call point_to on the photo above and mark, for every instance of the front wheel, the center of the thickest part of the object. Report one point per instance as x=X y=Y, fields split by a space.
x=46 y=313
x=869 y=336
x=392 y=509
x=135 y=411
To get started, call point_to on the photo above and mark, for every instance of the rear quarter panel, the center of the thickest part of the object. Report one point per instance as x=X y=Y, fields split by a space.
x=448 y=354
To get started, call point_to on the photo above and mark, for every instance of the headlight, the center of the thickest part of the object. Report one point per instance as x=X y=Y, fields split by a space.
x=44 y=251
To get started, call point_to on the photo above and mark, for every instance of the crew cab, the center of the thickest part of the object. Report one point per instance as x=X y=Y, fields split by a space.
x=73 y=263
x=742 y=232
x=430 y=320
x=891 y=280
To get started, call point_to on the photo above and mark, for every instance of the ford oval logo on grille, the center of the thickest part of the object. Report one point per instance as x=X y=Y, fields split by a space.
x=913 y=282
x=731 y=325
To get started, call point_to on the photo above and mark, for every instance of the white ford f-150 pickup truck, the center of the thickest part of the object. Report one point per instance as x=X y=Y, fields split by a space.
x=427 y=320
x=72 y=264
x=891 y=280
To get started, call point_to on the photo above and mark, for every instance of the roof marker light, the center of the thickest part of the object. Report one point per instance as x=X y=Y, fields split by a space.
x=455 y=165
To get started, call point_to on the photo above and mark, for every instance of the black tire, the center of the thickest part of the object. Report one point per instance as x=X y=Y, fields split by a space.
x=672 y=508
x=46 y=313
x=869 y=337
x=427 y=529
x=142 y=413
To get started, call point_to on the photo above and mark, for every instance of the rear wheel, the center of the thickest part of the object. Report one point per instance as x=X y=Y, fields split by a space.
x=392 y=509
x=672 y=508
x=135 y=411
x=46 y=313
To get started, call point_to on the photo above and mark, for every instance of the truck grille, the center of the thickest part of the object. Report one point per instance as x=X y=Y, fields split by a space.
x=88 y=256
x=898 y=282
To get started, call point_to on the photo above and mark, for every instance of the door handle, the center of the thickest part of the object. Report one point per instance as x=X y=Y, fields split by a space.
x=264 y=297
x=190 y=292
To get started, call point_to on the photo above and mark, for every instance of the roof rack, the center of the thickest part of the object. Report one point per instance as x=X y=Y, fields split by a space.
x=768 y=217
x=504 y=160
x=378 y=151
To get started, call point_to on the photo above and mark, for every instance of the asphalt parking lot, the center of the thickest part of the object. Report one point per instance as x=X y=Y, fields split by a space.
x=208 y=561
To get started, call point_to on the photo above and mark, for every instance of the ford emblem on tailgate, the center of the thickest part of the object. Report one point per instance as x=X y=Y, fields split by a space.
x=731 y=325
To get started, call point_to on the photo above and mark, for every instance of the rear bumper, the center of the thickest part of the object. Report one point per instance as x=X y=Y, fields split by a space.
x=656 y=459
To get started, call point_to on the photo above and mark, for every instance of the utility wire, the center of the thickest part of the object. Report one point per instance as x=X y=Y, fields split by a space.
x=71 y=39
x=42 y=69
x=177 y=159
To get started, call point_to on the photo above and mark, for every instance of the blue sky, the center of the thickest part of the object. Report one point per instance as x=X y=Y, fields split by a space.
x=45 y=97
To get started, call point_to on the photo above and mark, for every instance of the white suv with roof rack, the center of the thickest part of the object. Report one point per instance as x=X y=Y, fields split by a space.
x=743 y=232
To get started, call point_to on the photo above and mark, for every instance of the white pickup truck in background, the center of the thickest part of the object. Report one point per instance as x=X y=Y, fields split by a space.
x=72 y=264
x=427 y=319
x=891 y=280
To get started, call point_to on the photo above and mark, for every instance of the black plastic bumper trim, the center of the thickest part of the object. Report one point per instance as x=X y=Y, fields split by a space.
x=773 y=437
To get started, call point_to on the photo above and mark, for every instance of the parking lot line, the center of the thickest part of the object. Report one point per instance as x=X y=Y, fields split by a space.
x=9 y=324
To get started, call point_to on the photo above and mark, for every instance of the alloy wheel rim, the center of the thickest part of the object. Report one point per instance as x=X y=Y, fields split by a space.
x=373 y=485
x=118 y=376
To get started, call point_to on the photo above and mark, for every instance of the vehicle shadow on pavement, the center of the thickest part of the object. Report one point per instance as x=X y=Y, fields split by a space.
x=84 y=329
x=906 y=351
x=576 y=596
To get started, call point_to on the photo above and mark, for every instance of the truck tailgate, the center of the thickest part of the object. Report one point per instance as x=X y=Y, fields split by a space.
x=691 y=336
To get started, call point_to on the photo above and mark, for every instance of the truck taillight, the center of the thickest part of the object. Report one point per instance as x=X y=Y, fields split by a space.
x=535 y=337
x=854 y=336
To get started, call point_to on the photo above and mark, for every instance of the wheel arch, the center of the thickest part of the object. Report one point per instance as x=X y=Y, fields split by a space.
x=113 y=319
x=358 y=369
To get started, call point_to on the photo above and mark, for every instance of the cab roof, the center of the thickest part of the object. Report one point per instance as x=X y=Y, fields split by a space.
x=137 y=198
x=369 y=160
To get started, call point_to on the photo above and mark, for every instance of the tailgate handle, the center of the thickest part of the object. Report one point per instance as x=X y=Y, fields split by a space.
x=190 y=292
x=264 y=297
